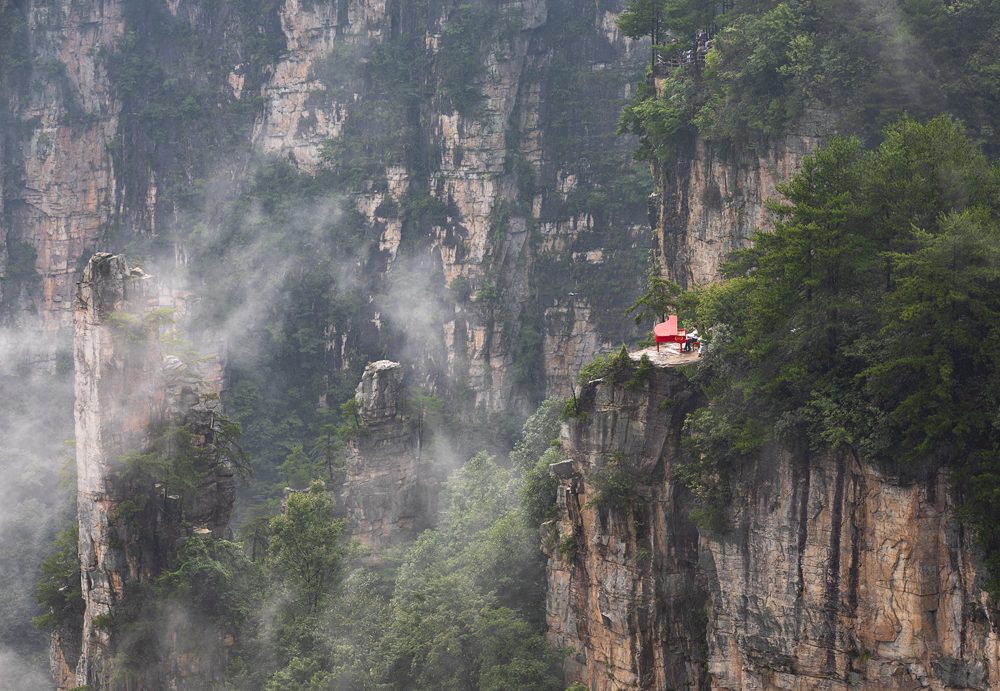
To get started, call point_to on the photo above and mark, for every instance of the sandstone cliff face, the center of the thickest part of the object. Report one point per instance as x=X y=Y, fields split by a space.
x=833 y=575
x=390 y=494
x=707 y=205
x=502 y=231
x=486 y=240
x=125 y=390
x=624 y=587
x=66 y=175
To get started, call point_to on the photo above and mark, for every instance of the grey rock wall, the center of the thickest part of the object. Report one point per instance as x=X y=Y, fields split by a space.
x=72 y=188
x=706 y=205
x=390 y=494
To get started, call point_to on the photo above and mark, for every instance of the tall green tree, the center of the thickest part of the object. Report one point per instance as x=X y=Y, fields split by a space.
x=425 y=410
x=299 y=469
x=643 y=18
x=305 y=545
x=937 y=379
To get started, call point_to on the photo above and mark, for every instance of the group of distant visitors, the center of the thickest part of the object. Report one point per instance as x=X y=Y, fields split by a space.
x=696 y=53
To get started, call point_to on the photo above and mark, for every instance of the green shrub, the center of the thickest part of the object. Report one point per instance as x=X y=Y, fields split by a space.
x=103 y=621
x=571 y=410
x=460 y=61
x=538 y=488
x=616 y=485
x=567 y=546
x=59 y=590
x=134 y=328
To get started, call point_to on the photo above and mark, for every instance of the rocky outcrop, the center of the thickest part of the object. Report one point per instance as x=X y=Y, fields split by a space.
x=390 y=494
x=706 y=205
x=624 y=589
x=832 y=575
x=127 y=393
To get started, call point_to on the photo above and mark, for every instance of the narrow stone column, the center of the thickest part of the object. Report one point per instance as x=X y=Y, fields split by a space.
x=390 y=494
x=119 y=397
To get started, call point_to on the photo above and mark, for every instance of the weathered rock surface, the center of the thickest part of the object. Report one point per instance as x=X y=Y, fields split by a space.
x=624 y=588
x=706 y=205
x=834 y=576
x=378 y=393
x=67 y=176
x=71 y=194
x=125 y=392
x=390 y=494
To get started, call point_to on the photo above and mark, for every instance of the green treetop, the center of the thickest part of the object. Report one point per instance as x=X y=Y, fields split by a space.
x=305 y=544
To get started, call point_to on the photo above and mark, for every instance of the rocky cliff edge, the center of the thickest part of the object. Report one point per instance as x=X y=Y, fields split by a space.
x=831 y=574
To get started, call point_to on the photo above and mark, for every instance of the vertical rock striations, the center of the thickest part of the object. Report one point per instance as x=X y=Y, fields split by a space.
x=832 y=574
x=59 y=200
x=624 y=589
x=706 y=205
x=517 y=196
x=835 y=571
x=126 y=391
x=390 y=494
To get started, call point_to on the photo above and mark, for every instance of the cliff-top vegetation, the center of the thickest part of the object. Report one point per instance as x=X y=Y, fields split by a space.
x=868 y=321
x=866 y=63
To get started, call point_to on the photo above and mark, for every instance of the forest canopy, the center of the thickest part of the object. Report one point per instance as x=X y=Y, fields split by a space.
x=860 y=64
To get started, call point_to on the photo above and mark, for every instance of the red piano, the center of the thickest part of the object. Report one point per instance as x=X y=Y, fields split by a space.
x=667 y=332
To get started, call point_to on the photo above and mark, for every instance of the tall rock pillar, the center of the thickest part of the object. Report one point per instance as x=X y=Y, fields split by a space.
x=132 y=525
x=119 y=395
x=390 y=495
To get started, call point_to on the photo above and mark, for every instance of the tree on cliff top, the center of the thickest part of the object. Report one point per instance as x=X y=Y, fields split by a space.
x=807 y=305
x=770 y=61
x=868 y=320
x=655 y=18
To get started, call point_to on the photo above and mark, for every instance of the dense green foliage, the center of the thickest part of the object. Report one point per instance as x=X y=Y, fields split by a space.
x=660 y=18
x=617 y=368
x=59 y=589
x=866 y=322
x=305 y=544
x=615 y=485
x=468 y=600
x=461 y=607
x=866 y=63
x=211 y=585
x=295 y=608
x=174 y=465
